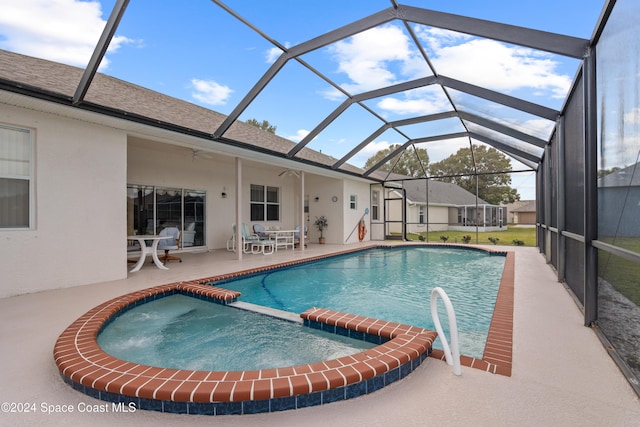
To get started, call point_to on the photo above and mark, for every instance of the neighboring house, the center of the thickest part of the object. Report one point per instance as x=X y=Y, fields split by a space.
x=75 y=181
x=444 y=207
x=522 y=212
x=619 y=203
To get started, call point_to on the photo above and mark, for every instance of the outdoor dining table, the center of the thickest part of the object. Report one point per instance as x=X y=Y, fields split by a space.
x=282 y=238
x=146 y=250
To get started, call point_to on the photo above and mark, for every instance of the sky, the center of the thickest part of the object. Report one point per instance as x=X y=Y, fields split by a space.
x=196 y=51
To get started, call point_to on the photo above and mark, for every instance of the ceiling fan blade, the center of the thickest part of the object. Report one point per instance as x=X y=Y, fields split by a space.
x=289 y=172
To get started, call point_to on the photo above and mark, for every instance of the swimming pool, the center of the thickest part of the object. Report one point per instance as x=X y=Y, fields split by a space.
x=183 y=332
x=392 y=284
x=400 y=349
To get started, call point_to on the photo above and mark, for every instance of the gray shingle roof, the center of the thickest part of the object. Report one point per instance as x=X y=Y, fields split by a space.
x=439 y=193
x=524 y=206
x=622 y=178
x=105 y=91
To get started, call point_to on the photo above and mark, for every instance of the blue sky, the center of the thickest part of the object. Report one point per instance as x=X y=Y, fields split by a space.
x=196 y=51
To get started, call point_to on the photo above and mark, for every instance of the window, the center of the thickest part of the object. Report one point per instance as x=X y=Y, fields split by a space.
x=353 y=201
x=421 y=214
x=265 y=203
x=16 y=164
x=375 y=203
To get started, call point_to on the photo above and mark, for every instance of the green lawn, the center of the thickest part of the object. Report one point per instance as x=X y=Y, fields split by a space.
x=621 y=274
x=525 y=235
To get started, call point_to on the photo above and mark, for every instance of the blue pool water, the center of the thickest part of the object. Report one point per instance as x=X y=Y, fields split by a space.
x=183 y=332
x=392 y=284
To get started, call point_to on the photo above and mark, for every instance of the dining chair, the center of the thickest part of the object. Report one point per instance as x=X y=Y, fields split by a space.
x=169 y=244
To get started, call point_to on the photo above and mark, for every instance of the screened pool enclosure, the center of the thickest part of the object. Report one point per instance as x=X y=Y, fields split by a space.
x=425 y=88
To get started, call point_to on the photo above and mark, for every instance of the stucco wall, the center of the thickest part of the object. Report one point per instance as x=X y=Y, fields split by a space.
x=321 y=191
x=80 y=177
x=352 y=216
x=438 y=217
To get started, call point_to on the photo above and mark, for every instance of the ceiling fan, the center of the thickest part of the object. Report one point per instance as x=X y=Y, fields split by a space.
x=289 y=172
x=200 y=154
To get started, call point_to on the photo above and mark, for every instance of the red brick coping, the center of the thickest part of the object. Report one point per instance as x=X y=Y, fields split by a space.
x=86 y=367
x=498 y=350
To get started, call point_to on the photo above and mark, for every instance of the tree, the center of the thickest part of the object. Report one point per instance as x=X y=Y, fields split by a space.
x=492 y=167
x=412 y=162
x=264 y=125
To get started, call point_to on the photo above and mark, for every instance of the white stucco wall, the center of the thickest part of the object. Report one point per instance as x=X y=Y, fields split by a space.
x=438 y=218
x=80 y=182
x=321 y=190
x=352 y=216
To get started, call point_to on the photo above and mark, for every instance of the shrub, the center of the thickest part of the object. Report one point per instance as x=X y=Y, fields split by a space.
x=444 y=238
x=494 y=240
x=518 y=242
x=466 y=238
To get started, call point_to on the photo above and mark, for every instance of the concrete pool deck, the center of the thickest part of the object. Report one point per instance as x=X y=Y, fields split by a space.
x=561 y=375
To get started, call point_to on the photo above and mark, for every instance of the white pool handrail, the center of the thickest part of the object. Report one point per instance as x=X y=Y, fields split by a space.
x=451 y=355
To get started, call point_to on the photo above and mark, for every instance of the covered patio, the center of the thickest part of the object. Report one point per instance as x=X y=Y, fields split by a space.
x=87 y=147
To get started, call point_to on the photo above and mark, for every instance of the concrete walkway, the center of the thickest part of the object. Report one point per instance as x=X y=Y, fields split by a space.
x=562 y=375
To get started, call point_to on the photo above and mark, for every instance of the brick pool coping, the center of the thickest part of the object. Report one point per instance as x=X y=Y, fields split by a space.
x=86 y=367
x=498 y=350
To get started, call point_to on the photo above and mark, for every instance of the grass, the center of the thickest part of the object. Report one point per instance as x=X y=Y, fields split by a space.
x=525 y=235
x=621 y=274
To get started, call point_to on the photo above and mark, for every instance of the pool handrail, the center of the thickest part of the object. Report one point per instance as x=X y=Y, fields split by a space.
x=452 y=355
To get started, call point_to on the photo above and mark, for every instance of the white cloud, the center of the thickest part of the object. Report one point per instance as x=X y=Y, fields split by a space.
x=493 y=64
x=299 y=136
x=60 y=30
x=439 y=150
x=420 y=101
x=375 y=58
x=632 y=117
x=273 y=54
x=437 y=38
x=369 y=151
x=210 y=92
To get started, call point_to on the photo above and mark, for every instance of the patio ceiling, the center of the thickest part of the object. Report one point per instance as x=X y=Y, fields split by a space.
x=434 y=106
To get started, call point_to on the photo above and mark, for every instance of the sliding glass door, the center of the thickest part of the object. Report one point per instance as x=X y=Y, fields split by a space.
x=150 y=209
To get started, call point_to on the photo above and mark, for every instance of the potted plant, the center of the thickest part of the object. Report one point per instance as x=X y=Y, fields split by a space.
x=321 y=223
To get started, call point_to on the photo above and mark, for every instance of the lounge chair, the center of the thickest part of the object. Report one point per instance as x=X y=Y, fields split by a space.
x=247 y=239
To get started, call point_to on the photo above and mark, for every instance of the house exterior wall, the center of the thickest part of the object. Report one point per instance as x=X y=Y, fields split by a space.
x=352 y=216
x=81 y=173
x=528 y=218
x=80 y=200
x=321 y=190
x=438 y=217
